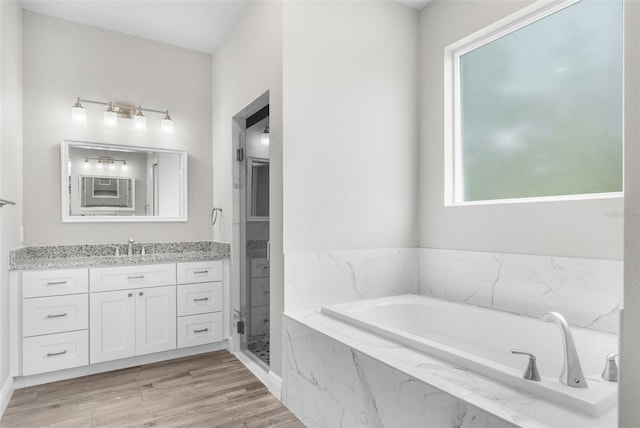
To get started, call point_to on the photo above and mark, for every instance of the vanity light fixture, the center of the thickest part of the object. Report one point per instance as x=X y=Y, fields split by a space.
x=264 y=137
x=115 y=111
x=140 y=121
x=110 y=117
x=167 y=124
x=78 y=113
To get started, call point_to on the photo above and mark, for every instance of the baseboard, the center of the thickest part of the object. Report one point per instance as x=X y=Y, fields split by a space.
x=5 y=394
x=268 y=378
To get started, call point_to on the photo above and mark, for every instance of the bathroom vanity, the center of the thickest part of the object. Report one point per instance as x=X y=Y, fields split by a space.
x=70 y=319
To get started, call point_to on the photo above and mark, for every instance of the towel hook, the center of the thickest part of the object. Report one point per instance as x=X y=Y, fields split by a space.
x=214 y=214
x=4 y=202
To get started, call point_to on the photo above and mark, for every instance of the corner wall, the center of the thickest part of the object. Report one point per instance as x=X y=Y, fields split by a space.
x=245 y=65
x=350 y=90
x=10 y=167
x=63 y=60
x=589 y=228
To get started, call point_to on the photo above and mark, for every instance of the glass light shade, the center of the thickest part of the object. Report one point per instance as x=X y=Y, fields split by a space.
x=86 y=163
x=264 y=137
x=166 y=125
x=112 y=165
x=78 y=115
x=125 y=166
x=139 y=122
x=99 y=165
x=110 y=119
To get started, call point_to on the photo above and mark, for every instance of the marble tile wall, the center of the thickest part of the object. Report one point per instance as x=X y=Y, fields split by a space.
x=329 y=384
x=588 y=292
x=316 y=279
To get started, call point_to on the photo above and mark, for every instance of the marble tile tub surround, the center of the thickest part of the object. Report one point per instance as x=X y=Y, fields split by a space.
x=588 y=292
x=337 y=375
x=52 y=256
x=314 y=279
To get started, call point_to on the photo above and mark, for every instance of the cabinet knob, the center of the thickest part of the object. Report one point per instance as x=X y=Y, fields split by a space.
x=141 y=294
x=130 y=294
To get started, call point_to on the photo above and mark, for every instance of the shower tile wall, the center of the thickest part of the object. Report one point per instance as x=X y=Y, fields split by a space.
x=588 y=292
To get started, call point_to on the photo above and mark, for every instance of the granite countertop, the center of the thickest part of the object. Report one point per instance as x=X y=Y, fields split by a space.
x=71 y=256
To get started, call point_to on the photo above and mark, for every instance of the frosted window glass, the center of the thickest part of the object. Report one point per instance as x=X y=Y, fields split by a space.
x=541 y=107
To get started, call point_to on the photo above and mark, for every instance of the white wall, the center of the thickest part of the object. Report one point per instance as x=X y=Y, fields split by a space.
x=63 y=60
x=629 y=390
x=10 y=159
x=592 y=229
x=350 y=131
x=247 y=64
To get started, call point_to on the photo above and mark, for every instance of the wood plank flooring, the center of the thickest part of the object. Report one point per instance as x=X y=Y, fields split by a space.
x=210 y=390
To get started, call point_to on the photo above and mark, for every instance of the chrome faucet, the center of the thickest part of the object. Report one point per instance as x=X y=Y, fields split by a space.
x=130 y=252
x=571 y=374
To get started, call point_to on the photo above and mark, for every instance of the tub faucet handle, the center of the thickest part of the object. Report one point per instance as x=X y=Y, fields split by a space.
x=610 y=372
x=531 y=373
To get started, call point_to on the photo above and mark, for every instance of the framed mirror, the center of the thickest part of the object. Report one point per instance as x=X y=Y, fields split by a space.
x=113 y=183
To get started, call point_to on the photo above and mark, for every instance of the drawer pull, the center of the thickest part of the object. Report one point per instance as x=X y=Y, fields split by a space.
x=135 y=277
x=199 y=272
x=57 y=315
x=56 y=282
x=202 y=330
x=53 y=354
x=202 y=299
x=265 y=292
x=130 y=294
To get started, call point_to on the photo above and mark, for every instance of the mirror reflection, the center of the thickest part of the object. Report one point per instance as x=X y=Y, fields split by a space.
x=122 y=183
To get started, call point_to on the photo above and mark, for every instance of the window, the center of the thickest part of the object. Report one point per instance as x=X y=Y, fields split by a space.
x=536 y=107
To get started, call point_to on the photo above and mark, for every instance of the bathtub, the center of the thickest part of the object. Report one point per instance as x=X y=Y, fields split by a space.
x=481 y=340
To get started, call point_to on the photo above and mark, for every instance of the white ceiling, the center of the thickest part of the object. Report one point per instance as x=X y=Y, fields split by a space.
x=193 y=24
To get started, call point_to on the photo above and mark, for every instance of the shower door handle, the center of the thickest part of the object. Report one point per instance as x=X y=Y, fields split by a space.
x=269 y=250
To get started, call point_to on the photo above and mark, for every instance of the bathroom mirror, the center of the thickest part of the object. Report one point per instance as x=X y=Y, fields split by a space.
x=113 y=183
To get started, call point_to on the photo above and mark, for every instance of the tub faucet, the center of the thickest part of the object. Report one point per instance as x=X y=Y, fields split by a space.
x=571 y=374
x=130 y=252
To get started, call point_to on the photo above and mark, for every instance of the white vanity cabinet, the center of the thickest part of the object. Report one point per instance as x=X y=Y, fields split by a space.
x=199 y=303
x=126 y=322
x=54 y=320
x=75 y=318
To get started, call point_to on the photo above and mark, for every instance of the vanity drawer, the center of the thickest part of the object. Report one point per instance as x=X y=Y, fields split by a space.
x=199 y=329
x=127 y=277
x=45 y=315
x=199 y=298
x=40 y=283
x=55 y=352
x=259 y=291
x=206 y=271
x=260 y=268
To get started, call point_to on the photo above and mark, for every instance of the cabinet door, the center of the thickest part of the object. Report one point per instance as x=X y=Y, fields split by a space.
x=155 y=319
x=112 y=328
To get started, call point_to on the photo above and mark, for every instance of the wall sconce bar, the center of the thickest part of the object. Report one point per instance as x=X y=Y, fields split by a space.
x=115 y=110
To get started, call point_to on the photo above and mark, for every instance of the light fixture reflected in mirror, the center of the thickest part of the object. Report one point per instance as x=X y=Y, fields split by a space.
x=264 y=137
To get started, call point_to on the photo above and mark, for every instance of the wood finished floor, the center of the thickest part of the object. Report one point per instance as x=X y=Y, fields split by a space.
x=210 y=390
